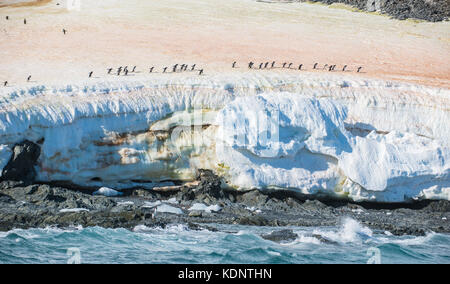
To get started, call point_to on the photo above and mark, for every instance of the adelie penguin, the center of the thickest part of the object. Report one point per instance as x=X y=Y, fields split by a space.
x=234 y=65
x=29 y=78
x=359 y=69
x=315 y=65
x=90 y=74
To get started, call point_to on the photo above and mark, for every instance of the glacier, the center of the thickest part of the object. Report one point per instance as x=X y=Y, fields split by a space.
x=316 y=135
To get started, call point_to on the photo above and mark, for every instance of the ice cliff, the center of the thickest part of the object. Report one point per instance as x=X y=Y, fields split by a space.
x=323 y=135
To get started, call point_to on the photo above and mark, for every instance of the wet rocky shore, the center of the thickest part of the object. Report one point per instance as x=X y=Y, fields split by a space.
x=25 y=205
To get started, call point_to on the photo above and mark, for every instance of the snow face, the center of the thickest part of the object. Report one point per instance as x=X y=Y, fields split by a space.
x=363 y=139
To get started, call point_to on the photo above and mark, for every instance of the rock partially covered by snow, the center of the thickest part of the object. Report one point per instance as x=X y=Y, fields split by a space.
x=106 y=191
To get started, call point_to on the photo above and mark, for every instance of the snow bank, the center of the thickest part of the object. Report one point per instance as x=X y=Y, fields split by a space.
x=360 y=138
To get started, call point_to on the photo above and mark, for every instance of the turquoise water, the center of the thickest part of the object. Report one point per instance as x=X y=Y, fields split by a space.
x=349 y=243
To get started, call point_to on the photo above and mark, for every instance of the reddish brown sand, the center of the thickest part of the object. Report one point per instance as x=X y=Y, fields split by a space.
x=213 y=34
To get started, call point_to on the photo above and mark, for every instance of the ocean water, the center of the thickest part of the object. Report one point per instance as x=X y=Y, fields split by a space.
x=348 y=243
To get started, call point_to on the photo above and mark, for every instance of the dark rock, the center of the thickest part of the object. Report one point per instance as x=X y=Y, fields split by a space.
x=209 y=184
x=428 y=10
x=21 y=165
x=281 y=236
x=323 y=239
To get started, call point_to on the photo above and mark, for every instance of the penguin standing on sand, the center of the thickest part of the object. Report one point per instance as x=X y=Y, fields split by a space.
x=7 y=17
x=193 y=67
x=250 y=65
x=164 y=69
x=300 y=67
x=234 y=65
x=90 y=74
x=174 y=69
x=126 y=72
x=119 y=70
x=261 y=65
x=273 y=64
x=151 y=69
x=29 y=78
x=24 y=21
x=5 y=84
x=315 y=65
x=359 y=69
x=134 y=69
x=200 y=72
x=289 y=66
x=109 y=71
x=64 y=31
x=343 y=68
x=265 y=65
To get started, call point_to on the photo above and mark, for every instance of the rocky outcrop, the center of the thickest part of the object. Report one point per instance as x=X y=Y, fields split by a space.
x=21 y=165
x=428 y=10
x=281 y=236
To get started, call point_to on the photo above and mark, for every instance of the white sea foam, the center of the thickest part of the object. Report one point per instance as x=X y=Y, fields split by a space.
x=359 y=138
x=350 y=231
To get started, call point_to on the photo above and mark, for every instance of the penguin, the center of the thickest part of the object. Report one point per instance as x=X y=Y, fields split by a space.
x=193 y=67
x=315 y=65
x=300 y=67
x=343 y=68
x=29 y=78
x=250 y=65
x=90 y=74
x=110 y=70
x=272 y=65
x=151 y=69
x=200 y=72
x=359 y=69
x=234 y=65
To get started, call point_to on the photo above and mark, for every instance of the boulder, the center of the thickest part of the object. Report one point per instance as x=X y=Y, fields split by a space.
x=21 y=165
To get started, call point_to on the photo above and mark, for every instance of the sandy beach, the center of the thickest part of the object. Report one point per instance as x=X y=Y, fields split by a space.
x=213 y=34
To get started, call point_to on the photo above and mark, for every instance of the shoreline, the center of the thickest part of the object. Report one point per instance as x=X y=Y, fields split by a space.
x=25 y=206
